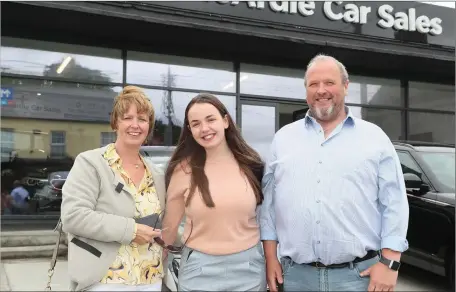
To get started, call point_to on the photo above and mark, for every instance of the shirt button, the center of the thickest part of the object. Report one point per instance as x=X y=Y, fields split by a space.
x=319 y=162
x=318 y=181
x=318 y=242
x=318 y=201
x=318 y=222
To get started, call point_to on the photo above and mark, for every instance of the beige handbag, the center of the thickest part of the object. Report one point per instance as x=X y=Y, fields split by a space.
x=58 y=228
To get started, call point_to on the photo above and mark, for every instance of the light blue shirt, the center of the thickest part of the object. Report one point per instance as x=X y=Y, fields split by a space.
x=19 y=195
x=332 y=200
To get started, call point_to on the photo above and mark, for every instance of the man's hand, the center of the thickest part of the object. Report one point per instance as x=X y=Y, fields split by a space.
x=273 y=273
x=146 y=234
x=382 y=278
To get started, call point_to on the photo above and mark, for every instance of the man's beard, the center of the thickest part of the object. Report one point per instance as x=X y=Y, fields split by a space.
x=325 y=114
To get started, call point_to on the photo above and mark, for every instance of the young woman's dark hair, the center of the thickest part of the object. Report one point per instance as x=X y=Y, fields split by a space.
x=194 y=155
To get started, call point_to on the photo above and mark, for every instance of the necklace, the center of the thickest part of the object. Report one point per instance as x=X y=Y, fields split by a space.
x=135 y=164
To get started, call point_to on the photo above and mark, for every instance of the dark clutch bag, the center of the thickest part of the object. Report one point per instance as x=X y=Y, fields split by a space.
x=153 y=221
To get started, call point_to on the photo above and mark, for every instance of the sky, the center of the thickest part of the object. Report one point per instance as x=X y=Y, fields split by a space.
x=441 y=3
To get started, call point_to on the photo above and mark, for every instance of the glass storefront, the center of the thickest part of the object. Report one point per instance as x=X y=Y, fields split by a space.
x=389 y=120
x=374 y=91
x=57 y=98
x=62 y=61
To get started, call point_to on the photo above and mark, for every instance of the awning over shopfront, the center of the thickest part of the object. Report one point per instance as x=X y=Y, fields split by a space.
x=402 y=28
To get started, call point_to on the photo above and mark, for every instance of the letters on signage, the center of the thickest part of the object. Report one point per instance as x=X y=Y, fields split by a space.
x=353 y=13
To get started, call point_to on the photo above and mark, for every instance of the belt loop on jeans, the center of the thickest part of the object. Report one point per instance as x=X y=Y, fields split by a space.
x=351 y=265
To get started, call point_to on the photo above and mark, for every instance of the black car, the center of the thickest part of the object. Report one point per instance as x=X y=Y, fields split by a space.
x=429 y=174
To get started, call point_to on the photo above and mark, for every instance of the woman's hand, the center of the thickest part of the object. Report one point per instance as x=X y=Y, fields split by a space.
x=146 y=234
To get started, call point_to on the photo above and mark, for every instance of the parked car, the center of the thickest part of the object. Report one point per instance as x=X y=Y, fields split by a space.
x=429 y=174
x=159 y=155
x=48 y=198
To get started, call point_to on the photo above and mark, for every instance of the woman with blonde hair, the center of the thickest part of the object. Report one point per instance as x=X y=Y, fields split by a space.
x=112 y=199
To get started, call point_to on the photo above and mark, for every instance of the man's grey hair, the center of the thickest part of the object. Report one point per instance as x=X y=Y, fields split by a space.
x=322 y=57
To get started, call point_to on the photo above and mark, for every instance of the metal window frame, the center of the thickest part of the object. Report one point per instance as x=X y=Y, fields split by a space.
x=8 y=142
x=63 y=145
x=110 y=136
x=242 y=98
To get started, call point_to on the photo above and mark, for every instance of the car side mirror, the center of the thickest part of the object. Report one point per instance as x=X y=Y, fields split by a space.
x=412 y=181
x=57 y=179
x=424 y=189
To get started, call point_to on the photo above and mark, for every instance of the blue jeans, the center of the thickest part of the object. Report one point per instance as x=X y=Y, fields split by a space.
x=242 y=271
x=302 y=277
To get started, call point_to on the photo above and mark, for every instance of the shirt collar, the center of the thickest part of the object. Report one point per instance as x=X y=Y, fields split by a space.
x=350 y=119
x=112 y=157
x=111 y=154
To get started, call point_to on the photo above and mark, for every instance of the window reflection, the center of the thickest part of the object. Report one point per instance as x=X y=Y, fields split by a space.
x=289 y=113
x=180 y=72
x=258 y=127
x=39 y=58
x=431 y=127
x=45 y=126
x=431 y=96
x=374 y=91
x=388 y=120
x=170 y=113
x=272 y=81
x=53 y=100
x=56 y=119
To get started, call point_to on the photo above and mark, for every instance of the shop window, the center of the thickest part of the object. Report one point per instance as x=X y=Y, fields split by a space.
x=58 y=144
x=107 y=138
x=259 y=126
x=431 y=127
x=170 y=112
x=55 y=100
x=374 y=91
x=389 y=120
x=7 y=144
x=57 y=60
x=180 y=72
x=53 y=122
x=266 y=81
x=431 y=96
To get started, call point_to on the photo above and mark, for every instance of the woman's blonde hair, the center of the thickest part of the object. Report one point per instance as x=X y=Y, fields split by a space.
x=128 y=96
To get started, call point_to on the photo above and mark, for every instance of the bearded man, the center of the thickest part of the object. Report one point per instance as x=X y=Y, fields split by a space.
x=334 y=196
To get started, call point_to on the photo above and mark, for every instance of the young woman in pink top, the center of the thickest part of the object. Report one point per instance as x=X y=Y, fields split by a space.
x=214 y=178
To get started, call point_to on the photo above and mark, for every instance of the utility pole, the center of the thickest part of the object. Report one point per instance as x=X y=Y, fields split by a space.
x=168 y=107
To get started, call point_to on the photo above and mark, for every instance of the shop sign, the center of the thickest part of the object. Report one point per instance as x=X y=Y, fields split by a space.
x=386 y=16
x=72 y=106
x=7 y=96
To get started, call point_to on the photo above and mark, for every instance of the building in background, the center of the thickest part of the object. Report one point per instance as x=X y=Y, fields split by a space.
x=62 y=63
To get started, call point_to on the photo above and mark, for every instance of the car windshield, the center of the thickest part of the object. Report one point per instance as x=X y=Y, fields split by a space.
x=443 y=166
x=159 y=155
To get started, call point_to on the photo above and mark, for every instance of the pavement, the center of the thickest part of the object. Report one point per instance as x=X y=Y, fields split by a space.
x=31 y=275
